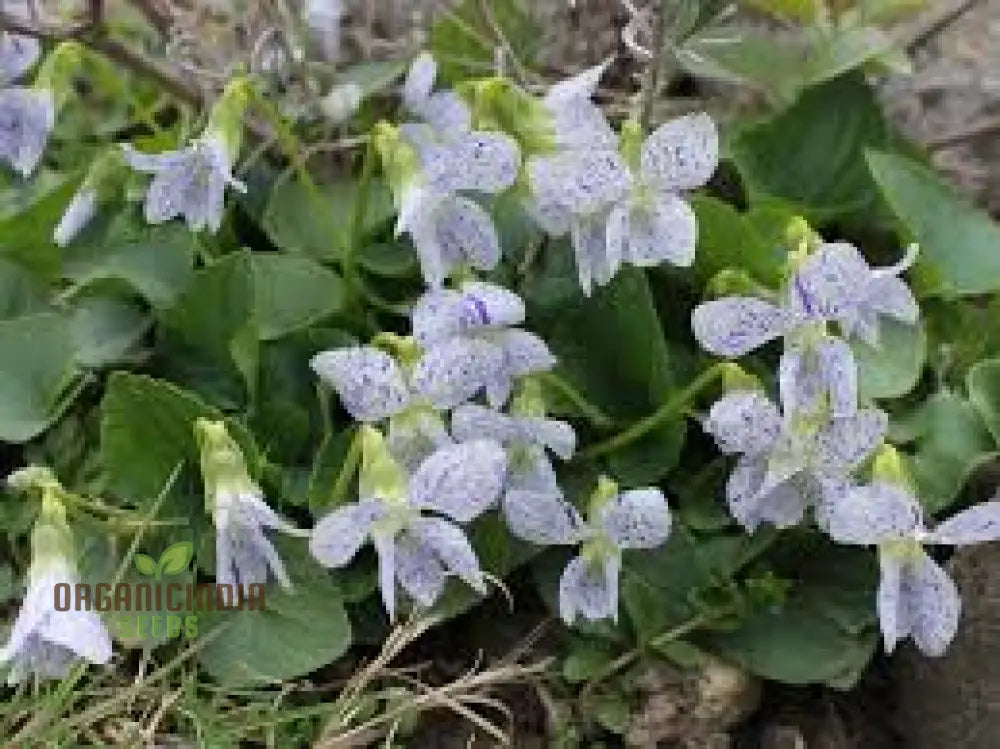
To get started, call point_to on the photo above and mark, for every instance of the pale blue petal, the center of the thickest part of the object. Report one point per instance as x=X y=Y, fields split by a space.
x=843 y=443
x=418 y=569
x=369 y=381
x=583 y=85
x=419 y=82
x=744 y=422
x=529 y=469
x=596 y=261
x=636 y=519
x=452 y=373
x=976 y=525
x=81 y=632
x=557 y=436
x=541 y=517
x=836 y=361
x=734 y=326
x=664 y=231
x=480 y=161
x=889 y=295
x=812 y=379
x=17 y=54
x=892 y=614
x=465 y=231
x=582 y=181
x=828 y=283
x=681 y=154
x=580 y=124
x=589 y=590
x=933 y=605
x=449 y=543
x=385 y=547
x=524 y=353
x=27 y=116
x=81 y=209
x=448 y=114
x=750 y=505
x=339 y=536
x=460 y=481
x=871 y=515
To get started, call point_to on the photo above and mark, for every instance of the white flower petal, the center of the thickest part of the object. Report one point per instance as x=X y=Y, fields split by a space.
x=448 y=541
x=666 y=230
x=843 y=443
x=480 y=161
x=453 y=372
x=892 y=614
x=734 y=326
x=583 y=85
x=17 y=54
x=447 y=113
x=461 y=481
x=418 y=569
x=81 y=209
x=419 y=82
x=582 y=181
x=339 y=536
x=524 y=353
x=681 y=154
x=369 y=381
x=597 y=262
x=978 y=524
x=27 y=116
x=744 y=422
x=465 y=231
x=933 y=605
x=541 y=517
x=580 y=124
x=589 y=590
x=751 y=504
x=889 y=295
x=636 y=519
x=82 y=632
x=874 y=514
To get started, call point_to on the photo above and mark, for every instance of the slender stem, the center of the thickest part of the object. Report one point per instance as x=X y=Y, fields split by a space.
x=675 y=406
x=347 y=471
x=651 y=76
x=590 y=411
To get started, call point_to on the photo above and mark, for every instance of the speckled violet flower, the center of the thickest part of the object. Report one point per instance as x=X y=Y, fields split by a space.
x=835 y=282
x=45 y=642
x=790 y=463
x=634 y=519
x=243 y=553
x=577 y=121
x=374 y=387
x=444 y=113
x=916 y=597
x=401 y=515
x=190 y=183
x=470 y=344
x=626 y=208
x=27 y=116
x=17 y=54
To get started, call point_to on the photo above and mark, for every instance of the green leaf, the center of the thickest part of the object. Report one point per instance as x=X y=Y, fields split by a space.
x=176 y=558
x=210 y=341
x=464 y=38
x=145 y=564
x=292 y=293
x=613 y=712
x=892 y=368
x=753 y=241
x=587 y=658
x=105 y=330
x=298 y=632
x=813 y=153
x=146 y=430
x=959 y=244
x=983 y=385
x=156 y=261
x=612 y=348
x=823 y=633
x=318 y=223
x=36 y=372
x=371 y=76
x=388 y=260
x=26 y=237
x=21 y=293
x=951 y=440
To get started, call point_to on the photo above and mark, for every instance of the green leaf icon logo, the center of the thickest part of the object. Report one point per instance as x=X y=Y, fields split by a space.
x=175 y=559
x=145 y=564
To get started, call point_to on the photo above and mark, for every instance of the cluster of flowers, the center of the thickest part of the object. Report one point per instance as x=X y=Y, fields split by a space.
x=803 y=455
x=453 y=420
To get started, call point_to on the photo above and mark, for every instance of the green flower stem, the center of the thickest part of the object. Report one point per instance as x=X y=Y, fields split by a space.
x=591 y=412
x=675 y=406
x=350 y=466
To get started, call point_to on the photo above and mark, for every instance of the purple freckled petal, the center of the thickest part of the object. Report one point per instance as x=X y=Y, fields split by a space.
x=589 y=590
x=452 y=373
x=460 y=481
x=17 y=54
x=419 y=82
x=524 y=353
x=581 y=181
x=541 y=517
x=665 y=231
x=744 y=422
x=681 y=154
x=496 y=306
x=369 y=381
x=933 y=605
x=892 y=614
x=978 y=524
x=751 y=505
x=447 y=113
x=637 y=519
x=418 y=569
x=27 y=116
x=480 y=161
x=453 y=549
x=385 y=547
x=843 y=443
x=465 y=231
x=596 y=262
x=874 y=514
x=735 y=326
x=339 y=536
